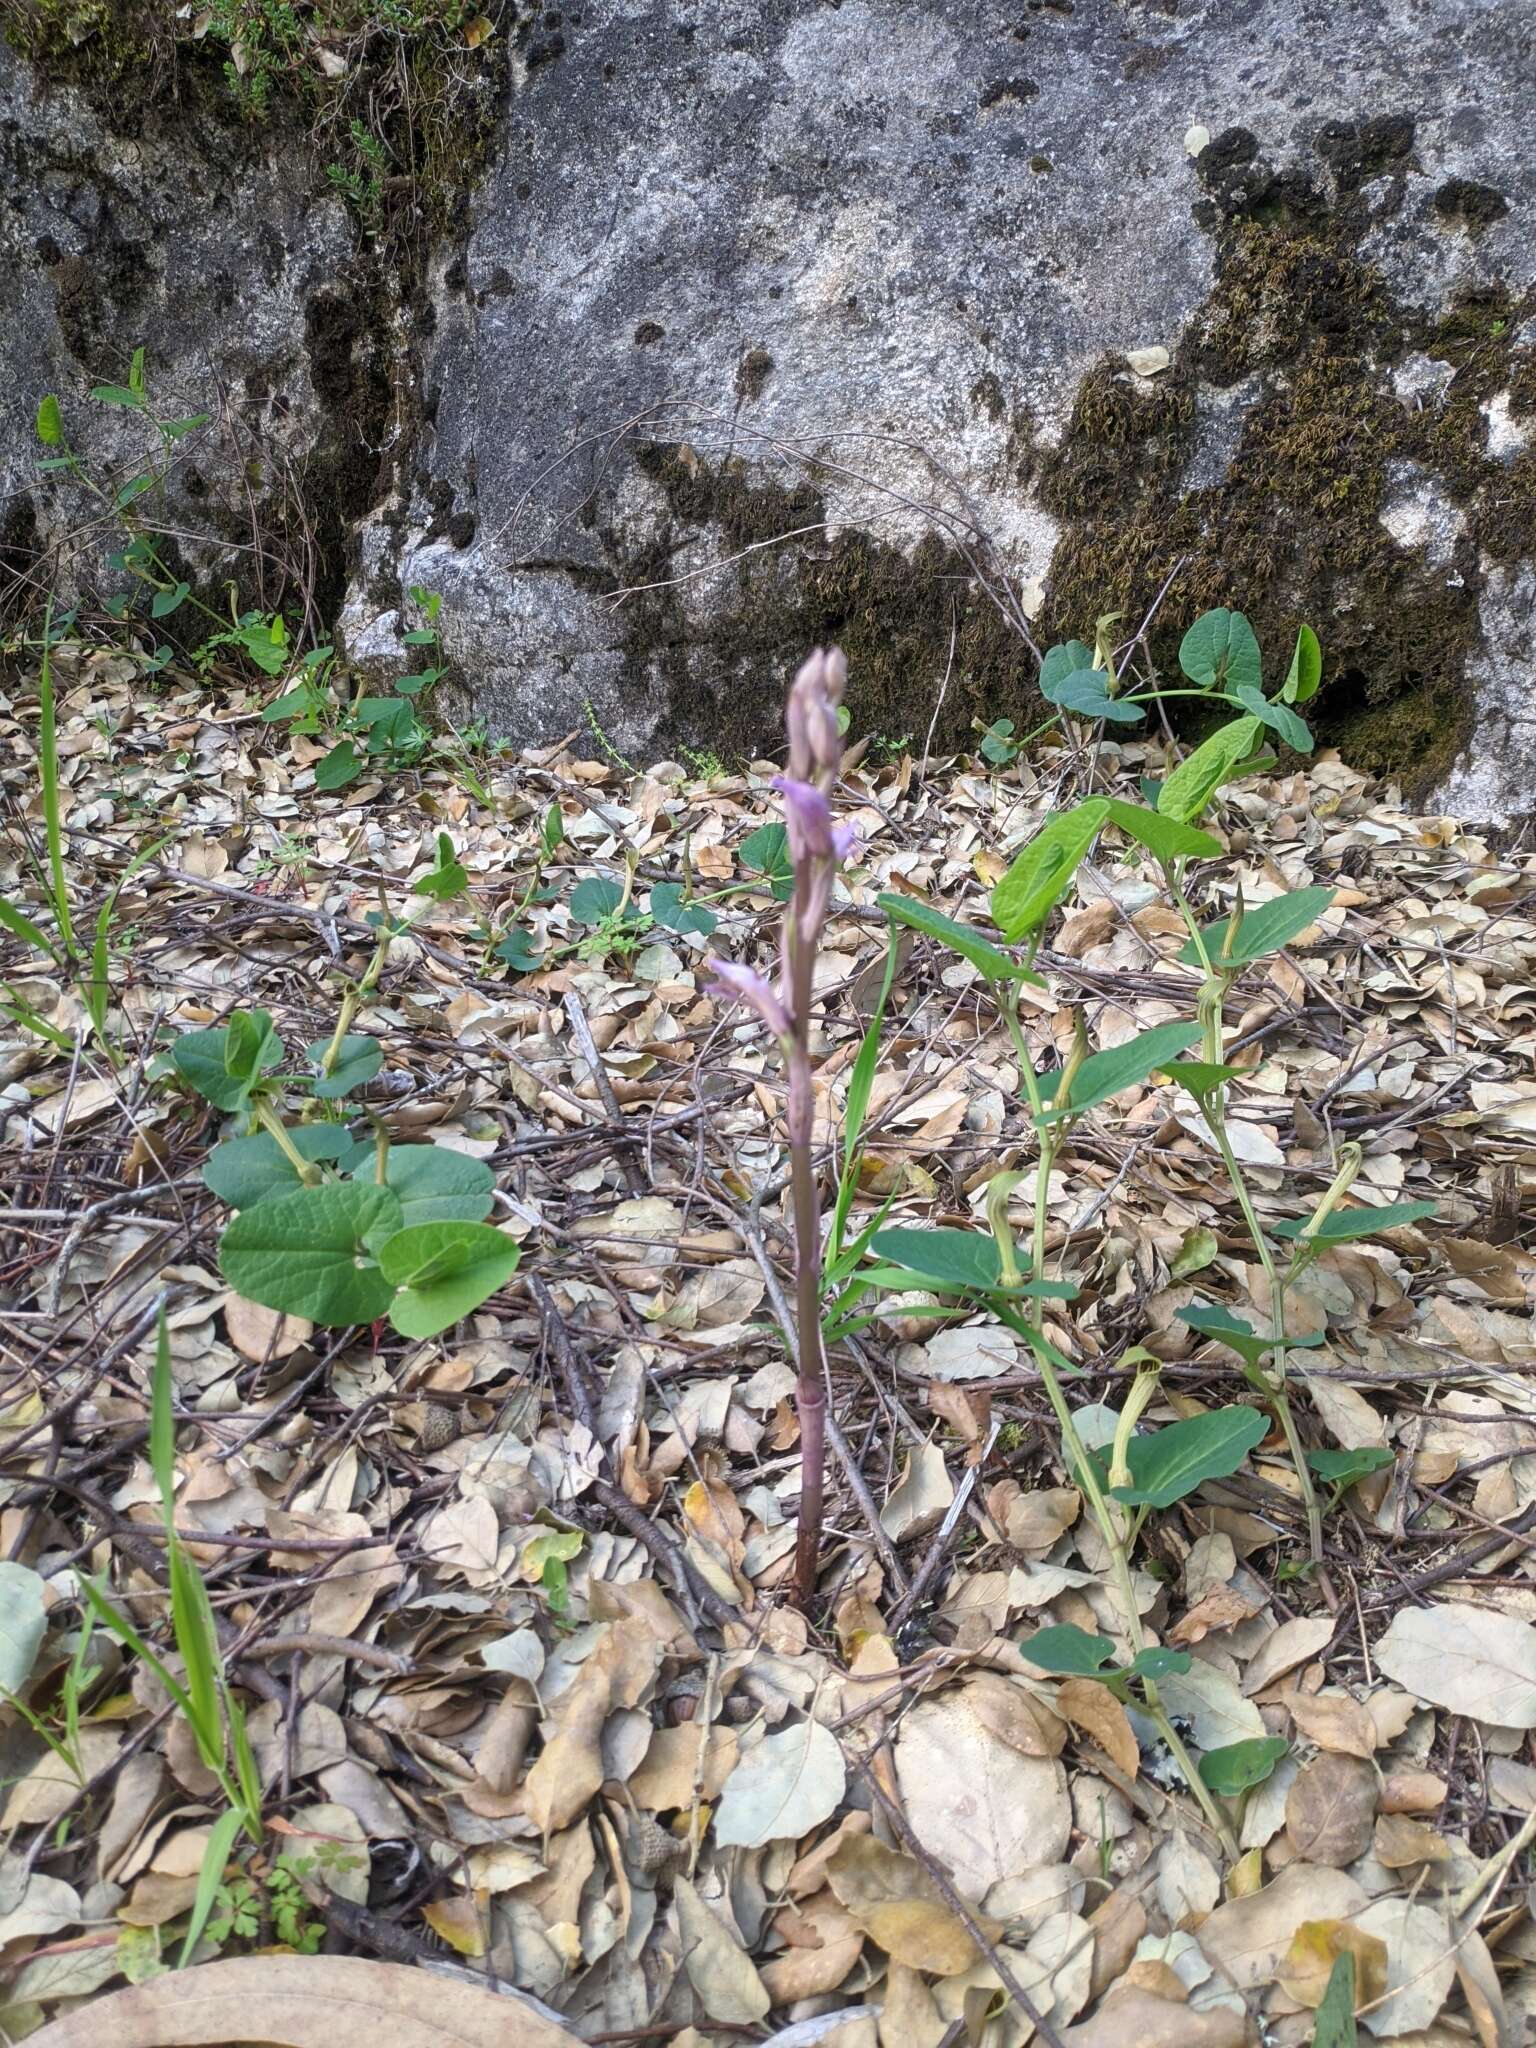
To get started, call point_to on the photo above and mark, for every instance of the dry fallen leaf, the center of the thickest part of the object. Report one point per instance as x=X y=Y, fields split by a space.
x=1330 y=1810
x=1316 y=1946
x=976 y=1803
x=1467 y=1659
x=305 y=2002
x=790 y=1783
x=893 y=1899
x=719 y=1969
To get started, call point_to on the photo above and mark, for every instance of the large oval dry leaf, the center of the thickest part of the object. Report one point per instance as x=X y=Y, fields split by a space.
x=1246 y=1938
x=304 y=2002
x=785 y=1787
x=1421 y=1965
x=1331 y=1809
x=1136 y=2016
x=986 y=1811
x=893 y=1899
x=1465 y=1659
x=719 y=1968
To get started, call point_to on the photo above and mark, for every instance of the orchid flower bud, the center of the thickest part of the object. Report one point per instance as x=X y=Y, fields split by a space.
x=738 y=984
x=815 y=744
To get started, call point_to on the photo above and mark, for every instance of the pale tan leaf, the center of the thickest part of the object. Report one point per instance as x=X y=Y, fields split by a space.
x=922 y=1498
x=719 y=1969
x=1134 y=2016
x=1334 y=1722
x=1465 y=1658
x=676 y=1761
x=304 y=2002
x=976 y=1803
x=1246 y=1938
x=790 y=1783
x=1293 y=1642
x=1421 y=1965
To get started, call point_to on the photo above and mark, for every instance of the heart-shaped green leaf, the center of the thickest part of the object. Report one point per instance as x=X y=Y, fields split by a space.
x=444 y=1271
x=1343 y=1226
x=1042 y=872
x=243 y=1171
x=1158 y=1663
x=1220 y=648
x=1104 y=1074
x=1241 y=1765
x=1343 y=1468
x=595 y=899
x=690 y=920
x=963 y=939
x=308 y=1253
x=1186 y=792
x=436 y=1185
x=225 y=1065
x=1085 y=693
x=1166 y=839
x=1068 y=1650
x=1265 y=930
x=765 y=852
x=358 y=1059
x=1059 y=663
x=1170 y=1463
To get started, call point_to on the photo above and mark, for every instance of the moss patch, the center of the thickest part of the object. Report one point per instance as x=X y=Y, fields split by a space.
x=892 y=612
x=1293 y=532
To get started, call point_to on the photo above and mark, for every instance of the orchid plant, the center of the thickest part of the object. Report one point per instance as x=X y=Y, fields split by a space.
x=818 y=846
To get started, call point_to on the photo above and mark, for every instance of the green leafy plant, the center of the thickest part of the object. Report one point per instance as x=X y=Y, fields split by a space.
x=202 y=1695
x=1139 y=1472
x=335 y=1228
x=62 y=950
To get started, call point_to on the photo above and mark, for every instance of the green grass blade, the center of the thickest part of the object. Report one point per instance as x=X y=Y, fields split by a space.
x=247 y=1776
x=125 y=1632
x=209 y=1878
x=162 y=1423
x=48 y=759
x=18 y=923
x=198 y=1641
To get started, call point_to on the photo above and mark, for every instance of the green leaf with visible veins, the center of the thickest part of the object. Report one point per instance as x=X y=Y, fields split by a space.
x=1104 y=1074
x=1186 y=792
x=308 y=1253
x=1042 y=872
x=436 y=1185
x=1172 y=1462
x=1343 y=1226
x=1262 y=931
x=1067 y=1649
x=963 y=939
x=444 y=1271
x=242 y=1171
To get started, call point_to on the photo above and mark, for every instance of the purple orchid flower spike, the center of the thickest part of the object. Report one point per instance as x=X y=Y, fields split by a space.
x=817 y=847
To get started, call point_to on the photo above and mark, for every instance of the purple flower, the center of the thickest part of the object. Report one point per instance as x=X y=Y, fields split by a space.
x=815 y=745
x=808 y=815
x=738 y=984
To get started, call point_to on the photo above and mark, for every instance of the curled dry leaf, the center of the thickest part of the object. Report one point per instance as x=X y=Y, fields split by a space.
x=1094 y=1710
x=305 y=2002
x=895 y=1902
x=921 y=1498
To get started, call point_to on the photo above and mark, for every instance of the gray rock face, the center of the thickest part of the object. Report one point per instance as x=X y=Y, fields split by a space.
x=940 y=327
x=209 y=248
x=756 y=299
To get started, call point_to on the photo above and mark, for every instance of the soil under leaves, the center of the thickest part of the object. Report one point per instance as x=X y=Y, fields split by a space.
x=656 y=1800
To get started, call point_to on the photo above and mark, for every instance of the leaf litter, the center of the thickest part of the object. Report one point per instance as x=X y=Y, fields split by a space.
x=534 y=1726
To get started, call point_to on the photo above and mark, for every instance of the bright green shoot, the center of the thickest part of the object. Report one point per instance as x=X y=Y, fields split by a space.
x=203 y=1695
